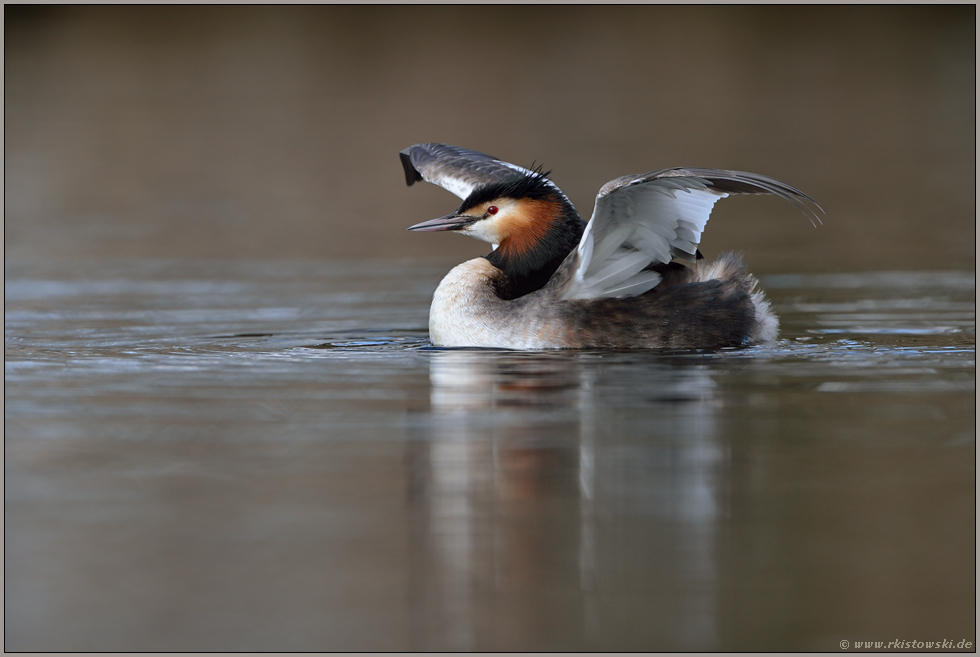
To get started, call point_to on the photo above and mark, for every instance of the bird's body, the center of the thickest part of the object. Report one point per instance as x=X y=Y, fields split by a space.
x=630 y=278
x=710 y=306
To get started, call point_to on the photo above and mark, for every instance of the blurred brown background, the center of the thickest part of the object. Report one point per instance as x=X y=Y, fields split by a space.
x=273 y=131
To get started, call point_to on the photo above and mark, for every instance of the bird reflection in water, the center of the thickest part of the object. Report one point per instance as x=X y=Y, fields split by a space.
x=543 y=486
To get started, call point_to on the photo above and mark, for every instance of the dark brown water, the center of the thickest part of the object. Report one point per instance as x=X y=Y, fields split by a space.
x=225 y=428
x=243 y=456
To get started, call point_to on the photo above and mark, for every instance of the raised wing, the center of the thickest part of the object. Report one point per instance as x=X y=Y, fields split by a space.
x=457 y=170
x=654 y=218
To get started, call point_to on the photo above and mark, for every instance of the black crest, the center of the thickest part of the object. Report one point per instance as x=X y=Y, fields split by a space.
x=534 y=185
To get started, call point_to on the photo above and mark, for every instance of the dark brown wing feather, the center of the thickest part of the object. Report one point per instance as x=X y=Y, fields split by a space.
x=457 y=170
x=733 y=182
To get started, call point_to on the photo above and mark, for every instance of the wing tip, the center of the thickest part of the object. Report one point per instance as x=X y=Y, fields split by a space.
x=412 y=175
x=743 y=182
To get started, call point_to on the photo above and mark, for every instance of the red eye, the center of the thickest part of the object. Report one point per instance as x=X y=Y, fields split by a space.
x=492 y=209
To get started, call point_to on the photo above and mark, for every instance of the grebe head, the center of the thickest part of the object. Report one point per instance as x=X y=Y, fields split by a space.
x=514 y=209
x=531 y=223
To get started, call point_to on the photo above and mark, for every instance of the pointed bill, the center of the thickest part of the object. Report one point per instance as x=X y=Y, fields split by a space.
x=452 y=221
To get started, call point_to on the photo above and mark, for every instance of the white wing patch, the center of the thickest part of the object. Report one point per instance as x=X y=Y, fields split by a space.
x=636 y=225
x=460 y=187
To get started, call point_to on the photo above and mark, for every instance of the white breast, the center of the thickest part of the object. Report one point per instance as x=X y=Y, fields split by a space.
x=466 y=312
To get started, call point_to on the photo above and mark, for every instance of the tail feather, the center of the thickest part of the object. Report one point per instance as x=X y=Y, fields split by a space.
x=729 y=267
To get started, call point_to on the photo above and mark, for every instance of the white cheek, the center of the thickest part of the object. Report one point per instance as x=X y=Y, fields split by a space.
x=485 y=229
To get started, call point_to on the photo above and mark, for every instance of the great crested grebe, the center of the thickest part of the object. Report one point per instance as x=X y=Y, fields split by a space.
x=632 y=277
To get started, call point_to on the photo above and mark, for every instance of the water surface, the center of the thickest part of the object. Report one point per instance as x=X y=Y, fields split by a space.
x=269 y=455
